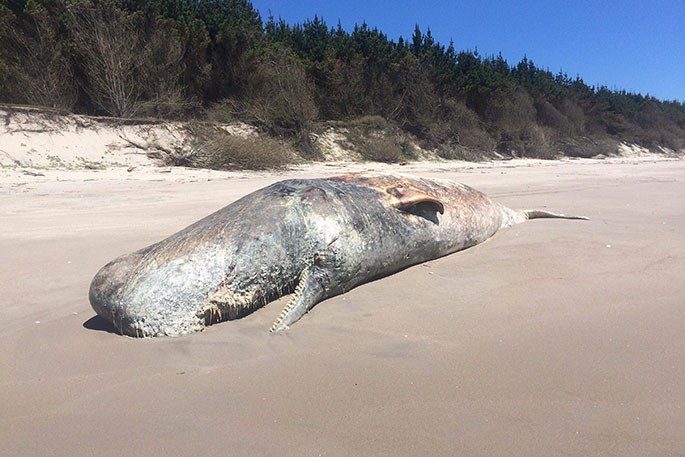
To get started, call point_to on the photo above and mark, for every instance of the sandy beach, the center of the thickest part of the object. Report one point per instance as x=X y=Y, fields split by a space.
x=554 y=337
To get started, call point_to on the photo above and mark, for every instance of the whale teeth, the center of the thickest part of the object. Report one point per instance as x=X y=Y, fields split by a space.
x=293 y=301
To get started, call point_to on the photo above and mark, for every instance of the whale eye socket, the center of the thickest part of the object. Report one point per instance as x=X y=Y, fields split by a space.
x=427 y=209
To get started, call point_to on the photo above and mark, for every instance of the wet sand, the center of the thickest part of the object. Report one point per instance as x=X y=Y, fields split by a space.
x=554 y=337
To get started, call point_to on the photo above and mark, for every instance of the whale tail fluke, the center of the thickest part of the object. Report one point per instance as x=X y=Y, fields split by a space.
x=512 y=216
x=539 y=214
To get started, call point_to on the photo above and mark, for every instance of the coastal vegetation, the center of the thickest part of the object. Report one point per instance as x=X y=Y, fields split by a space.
x=218 y=60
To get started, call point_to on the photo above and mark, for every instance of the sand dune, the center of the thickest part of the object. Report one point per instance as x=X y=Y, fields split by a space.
x=553 y=338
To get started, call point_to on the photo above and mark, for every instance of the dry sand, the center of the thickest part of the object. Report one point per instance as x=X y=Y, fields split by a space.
x=553 y=338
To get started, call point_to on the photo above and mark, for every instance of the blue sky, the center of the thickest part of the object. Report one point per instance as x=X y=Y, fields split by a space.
x=633 y=45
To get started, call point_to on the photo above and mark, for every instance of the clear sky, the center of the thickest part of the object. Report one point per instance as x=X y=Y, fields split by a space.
x=631 y=44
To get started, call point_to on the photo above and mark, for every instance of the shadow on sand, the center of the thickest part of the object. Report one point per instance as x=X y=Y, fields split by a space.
x=98 y=323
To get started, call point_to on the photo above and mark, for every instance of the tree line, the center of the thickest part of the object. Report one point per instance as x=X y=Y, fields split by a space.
x=218 y=58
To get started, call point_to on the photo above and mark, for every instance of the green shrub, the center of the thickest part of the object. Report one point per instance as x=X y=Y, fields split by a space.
x=537 y=142
x=281 y=98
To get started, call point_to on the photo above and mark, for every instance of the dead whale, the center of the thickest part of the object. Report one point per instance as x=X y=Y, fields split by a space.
x=315 y=237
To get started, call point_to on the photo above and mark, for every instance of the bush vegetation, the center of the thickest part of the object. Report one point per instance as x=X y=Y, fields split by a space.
x=220 y=150
x=380 y=149
x=186 y=58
